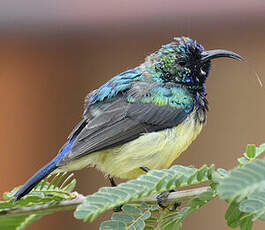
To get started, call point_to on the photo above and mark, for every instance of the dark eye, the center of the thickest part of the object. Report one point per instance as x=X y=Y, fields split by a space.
x=204 y=69
x=182 y=63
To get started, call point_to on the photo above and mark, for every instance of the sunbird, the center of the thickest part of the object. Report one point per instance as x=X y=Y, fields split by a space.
x=141 y=119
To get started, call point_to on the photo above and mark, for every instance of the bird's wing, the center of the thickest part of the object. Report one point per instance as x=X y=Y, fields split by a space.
x=118 y=84
x=124 y=118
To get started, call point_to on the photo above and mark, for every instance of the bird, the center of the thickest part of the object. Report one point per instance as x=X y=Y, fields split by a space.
x=141 y=119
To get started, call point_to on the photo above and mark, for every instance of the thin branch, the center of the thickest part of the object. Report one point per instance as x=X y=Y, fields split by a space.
x=45 y=209
x=175 y=196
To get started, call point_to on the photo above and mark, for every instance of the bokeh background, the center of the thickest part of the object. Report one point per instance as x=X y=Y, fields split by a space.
x=52 y=53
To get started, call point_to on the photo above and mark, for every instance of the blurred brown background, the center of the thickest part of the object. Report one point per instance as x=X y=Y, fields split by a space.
x=52 y=54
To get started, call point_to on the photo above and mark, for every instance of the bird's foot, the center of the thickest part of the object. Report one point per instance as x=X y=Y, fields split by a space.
x=162 y=197
x=162 y=200
x=117 y=209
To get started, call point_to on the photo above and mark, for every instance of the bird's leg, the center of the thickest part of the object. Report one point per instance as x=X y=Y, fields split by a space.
x=113 y=184
x=162 y=197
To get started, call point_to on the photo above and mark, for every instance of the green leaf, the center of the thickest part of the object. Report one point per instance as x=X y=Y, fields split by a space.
x=254 y=205
x=251 y=205
x=210 y=172
x=139 y=224
x=260 y=150
x=201 y=172
x=123 y=218
x=233 y=215
x=131 y=210
x=112 y=225
x=246 y=223
x=223 y=172
x=251 y=151
x=242 y=160
x=132 y=217
x=241 y=182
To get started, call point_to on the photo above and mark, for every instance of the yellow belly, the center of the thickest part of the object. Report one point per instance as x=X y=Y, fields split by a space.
x=155 y=150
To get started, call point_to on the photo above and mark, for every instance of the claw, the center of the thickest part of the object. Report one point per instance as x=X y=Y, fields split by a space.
x=162 y=200
x=117 y=209
x=175 y=206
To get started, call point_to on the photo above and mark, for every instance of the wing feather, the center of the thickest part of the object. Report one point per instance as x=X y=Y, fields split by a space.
x=118 y=121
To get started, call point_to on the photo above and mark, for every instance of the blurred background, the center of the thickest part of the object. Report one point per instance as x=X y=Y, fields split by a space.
x=52 y=53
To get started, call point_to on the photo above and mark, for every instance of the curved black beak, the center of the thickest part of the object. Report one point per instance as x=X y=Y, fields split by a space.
x=211 y=54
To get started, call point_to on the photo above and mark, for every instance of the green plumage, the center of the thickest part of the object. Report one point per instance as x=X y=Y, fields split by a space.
x=175 y=97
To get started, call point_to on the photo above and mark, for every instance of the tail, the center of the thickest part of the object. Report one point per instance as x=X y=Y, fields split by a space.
x=51 y=166
x=35 y=179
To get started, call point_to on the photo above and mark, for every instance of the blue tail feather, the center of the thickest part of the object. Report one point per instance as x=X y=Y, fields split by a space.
x=47 y=169
x=35 y=179
x=43 y=172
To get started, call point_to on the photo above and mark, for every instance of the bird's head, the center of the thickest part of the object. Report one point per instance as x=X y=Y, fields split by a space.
x=185 y=62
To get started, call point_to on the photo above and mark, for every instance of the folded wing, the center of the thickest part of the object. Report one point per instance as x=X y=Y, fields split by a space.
x=125 y=117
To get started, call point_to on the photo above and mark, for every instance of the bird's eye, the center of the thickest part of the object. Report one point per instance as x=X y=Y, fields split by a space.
x=203 y=70
x=182 y=63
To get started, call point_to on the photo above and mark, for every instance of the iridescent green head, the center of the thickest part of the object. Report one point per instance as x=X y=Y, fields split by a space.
x=183 y=61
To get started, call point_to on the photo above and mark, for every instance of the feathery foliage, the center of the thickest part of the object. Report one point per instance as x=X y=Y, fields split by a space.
x=243 y=188
x=151 y=217
x=154 y=182
x=48 y=192
x=244 y=181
